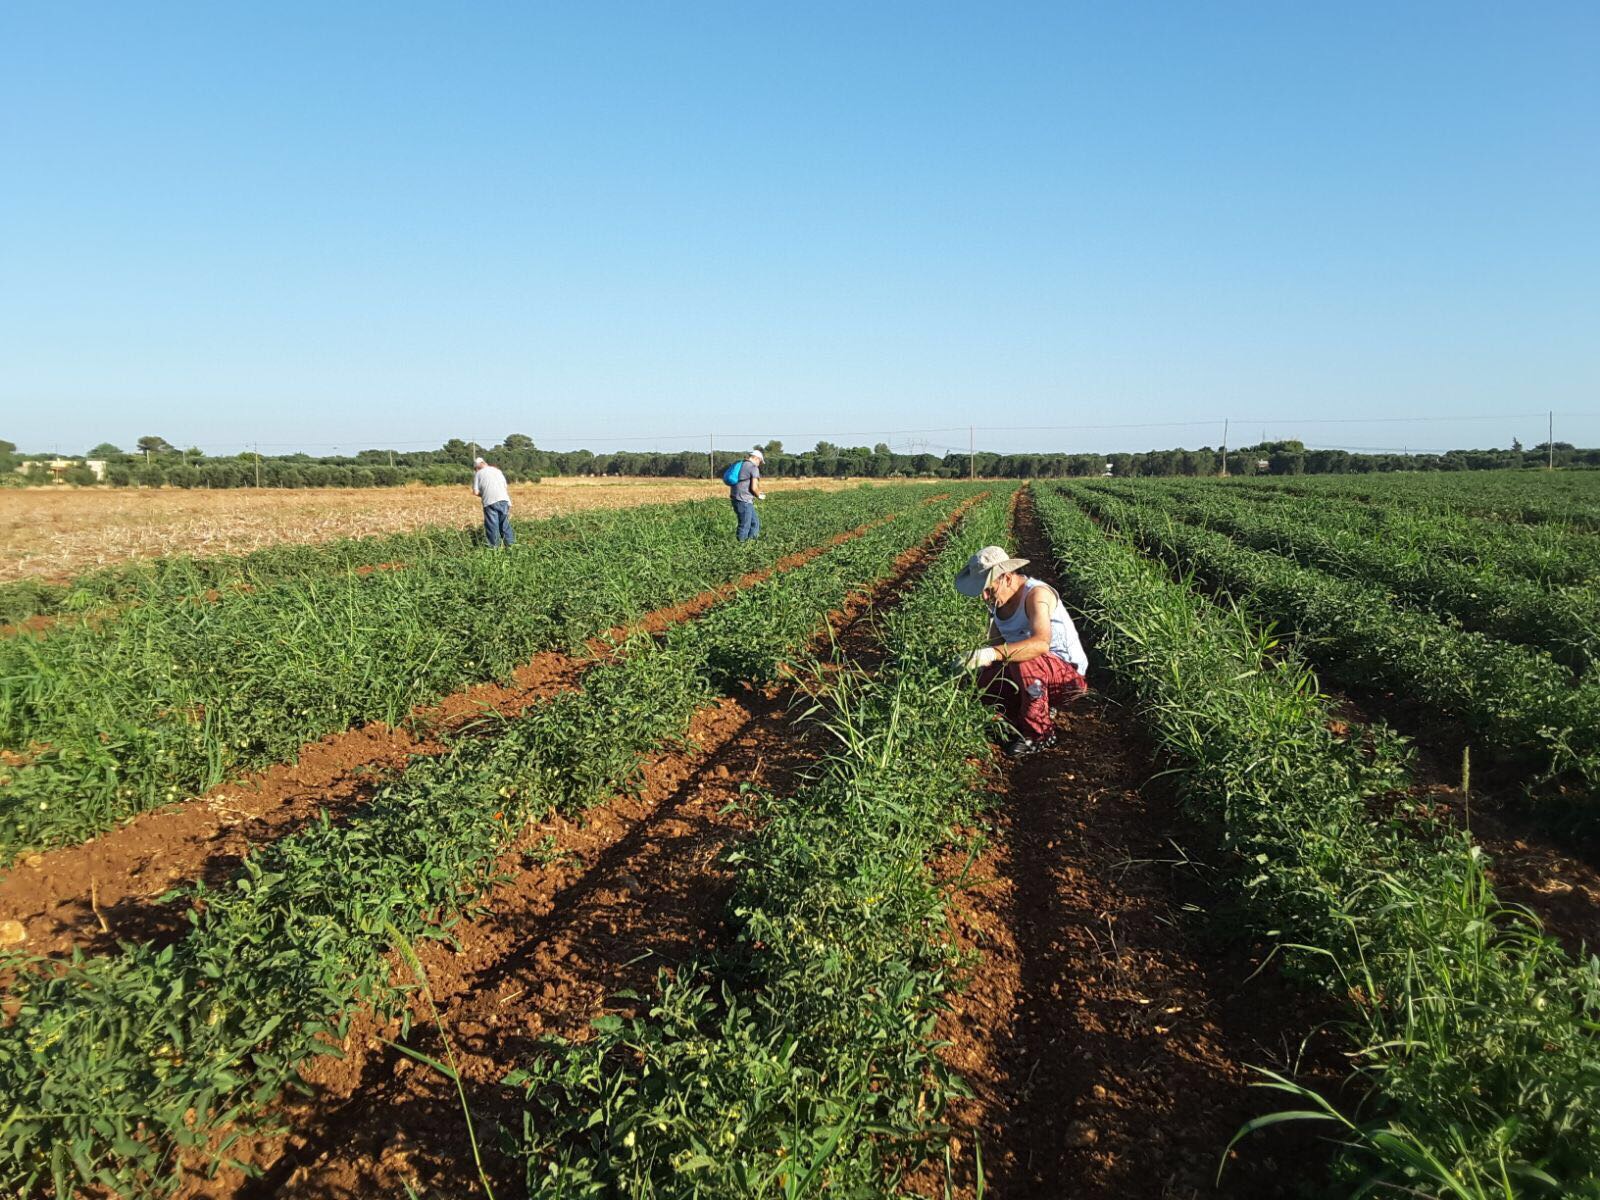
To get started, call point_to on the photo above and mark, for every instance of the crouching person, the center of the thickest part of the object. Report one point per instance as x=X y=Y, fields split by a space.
x=1034 y=661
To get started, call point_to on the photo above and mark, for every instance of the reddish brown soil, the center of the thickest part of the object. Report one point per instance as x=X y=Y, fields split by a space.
x=1529 y=864
x=1529 y=869
x=634 y=887
x=1533 y=866
x=104 y=890
x=1106 y=1039
x=34 y=624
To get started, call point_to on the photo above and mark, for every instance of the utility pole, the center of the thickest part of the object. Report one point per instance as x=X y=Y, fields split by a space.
x=972 y=452
x=258 y=464
x=1224 y=447
x=1550 y=441
x=711 y=453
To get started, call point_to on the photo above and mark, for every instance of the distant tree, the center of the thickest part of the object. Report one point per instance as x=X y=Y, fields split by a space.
x=773 y=448
x=155 y=445
x=105 y=450
x=1287 y=462
x=518 y=441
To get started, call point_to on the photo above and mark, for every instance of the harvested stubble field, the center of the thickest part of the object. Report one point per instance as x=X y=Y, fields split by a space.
x=57 y=532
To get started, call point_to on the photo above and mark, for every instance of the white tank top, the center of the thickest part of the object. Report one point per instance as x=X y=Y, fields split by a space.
x=1064 y=643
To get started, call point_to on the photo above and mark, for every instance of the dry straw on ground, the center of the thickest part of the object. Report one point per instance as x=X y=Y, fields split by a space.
x=63 y=531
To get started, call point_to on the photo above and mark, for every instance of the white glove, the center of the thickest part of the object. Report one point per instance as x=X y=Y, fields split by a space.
x=761 y=495
x=982 y=657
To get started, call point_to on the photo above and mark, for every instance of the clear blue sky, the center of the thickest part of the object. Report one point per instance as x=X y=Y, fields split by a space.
x=319 y=225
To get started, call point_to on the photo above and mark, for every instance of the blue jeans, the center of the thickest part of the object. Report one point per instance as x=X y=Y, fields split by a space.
x=749 y=521
x=497 y=523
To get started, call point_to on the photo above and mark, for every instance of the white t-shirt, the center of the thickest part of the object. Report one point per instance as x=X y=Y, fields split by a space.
x=490 y=483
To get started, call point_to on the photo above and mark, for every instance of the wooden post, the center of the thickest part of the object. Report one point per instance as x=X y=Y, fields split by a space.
x=258 y=464
x=1224 y=447
x=1550 y=441
x=972 y=452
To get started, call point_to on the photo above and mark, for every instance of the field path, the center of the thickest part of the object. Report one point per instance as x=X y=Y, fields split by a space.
x=1106 y=1040
x=600 y=905
x=93 y=894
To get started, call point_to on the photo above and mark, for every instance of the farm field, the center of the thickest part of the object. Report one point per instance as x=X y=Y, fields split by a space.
x=634 y=862
x=53 y=533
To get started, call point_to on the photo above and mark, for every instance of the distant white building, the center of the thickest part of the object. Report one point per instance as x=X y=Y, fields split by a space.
x=60 y=466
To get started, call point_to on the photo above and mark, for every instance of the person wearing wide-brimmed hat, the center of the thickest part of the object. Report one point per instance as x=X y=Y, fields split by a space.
x=1034 y=661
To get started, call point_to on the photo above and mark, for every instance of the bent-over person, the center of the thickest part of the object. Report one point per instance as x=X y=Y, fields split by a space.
x=489 y=485
x=1034 y=661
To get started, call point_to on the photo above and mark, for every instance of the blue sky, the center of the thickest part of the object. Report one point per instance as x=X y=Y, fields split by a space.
x=612 y=225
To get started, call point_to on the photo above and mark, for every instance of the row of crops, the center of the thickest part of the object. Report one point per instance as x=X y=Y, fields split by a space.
x=158 y=580
x=1365 y=616
x=161 y=700
x=1474 y=1038
x=116 y=1067
x=1503 y=590
x=1566 y=499
x=802 y=1061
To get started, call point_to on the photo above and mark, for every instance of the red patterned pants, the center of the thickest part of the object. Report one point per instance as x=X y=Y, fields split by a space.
x=1025 y=692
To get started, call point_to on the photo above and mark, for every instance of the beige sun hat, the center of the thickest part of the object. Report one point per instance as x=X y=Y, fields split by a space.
x=983 y=567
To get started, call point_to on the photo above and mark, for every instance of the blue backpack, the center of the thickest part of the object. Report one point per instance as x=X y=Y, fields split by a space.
x=731 y=475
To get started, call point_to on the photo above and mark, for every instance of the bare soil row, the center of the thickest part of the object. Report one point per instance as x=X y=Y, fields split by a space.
x=1106 y=1028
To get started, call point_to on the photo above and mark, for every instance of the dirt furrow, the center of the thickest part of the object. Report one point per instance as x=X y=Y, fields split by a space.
x=1552 y=876
x=592 y=907
x=93 y=894
x=1106 y=1034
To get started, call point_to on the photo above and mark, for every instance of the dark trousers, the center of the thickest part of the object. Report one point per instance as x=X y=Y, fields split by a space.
x=497 y=523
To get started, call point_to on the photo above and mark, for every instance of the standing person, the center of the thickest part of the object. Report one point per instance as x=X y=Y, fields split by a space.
x=744 y=492
x=489 y=485
x=1035 y=661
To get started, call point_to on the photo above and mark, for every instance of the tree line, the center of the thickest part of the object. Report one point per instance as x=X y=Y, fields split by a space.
x=155 y=462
